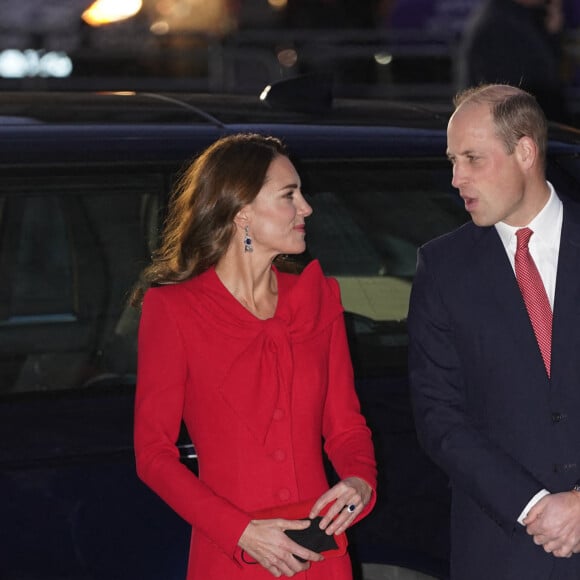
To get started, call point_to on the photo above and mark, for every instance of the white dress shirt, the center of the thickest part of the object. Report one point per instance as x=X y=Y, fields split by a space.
x=544 y=244
x=544 y=248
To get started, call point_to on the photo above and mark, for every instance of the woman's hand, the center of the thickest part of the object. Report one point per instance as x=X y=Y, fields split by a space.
x=352 y=491
x=266 y=542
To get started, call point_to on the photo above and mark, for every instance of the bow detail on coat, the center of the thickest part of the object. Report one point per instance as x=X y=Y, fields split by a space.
x=307 y=305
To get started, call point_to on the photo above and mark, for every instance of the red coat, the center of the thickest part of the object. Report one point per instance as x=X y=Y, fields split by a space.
x=258 y=397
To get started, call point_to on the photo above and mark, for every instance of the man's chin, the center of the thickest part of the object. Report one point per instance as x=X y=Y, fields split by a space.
x=481 y=221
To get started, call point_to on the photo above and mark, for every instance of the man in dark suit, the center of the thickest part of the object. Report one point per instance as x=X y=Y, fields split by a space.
x=495 y=378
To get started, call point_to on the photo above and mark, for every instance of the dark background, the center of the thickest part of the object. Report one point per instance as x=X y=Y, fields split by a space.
x=396 y=49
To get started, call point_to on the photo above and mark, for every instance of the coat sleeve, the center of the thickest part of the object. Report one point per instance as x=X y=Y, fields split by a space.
x=348 y=441
x=161 y=380
x=475 y=464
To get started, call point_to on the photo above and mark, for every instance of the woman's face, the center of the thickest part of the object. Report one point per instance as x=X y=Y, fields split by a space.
x=276 y=216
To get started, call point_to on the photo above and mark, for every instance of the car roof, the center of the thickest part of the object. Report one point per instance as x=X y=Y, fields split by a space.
x=214 y=109
x=88 y=128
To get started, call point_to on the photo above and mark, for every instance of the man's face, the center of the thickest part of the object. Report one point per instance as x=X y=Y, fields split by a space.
x=489 y=179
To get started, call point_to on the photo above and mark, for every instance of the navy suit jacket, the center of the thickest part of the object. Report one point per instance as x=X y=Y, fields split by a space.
x=485 y=409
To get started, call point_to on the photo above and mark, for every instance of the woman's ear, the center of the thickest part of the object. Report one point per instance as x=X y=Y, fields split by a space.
x=241 y=218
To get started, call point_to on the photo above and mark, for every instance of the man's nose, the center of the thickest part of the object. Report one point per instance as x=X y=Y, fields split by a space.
x=459 y=176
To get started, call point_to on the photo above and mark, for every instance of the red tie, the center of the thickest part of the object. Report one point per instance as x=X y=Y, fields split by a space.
x=534 y=293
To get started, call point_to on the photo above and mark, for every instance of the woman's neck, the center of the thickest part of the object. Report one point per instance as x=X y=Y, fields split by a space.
x=251 y=281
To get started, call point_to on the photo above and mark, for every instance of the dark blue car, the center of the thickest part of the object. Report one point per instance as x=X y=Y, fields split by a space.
x=84 y=180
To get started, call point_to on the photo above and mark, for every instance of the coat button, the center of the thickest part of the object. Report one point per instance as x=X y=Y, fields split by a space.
x=556 y=417
x=279 y=455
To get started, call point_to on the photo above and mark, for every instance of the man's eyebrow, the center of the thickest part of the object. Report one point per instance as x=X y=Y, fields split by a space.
x=465 y=153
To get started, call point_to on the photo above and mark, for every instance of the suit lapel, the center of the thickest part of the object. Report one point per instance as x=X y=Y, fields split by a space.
x=567 y=296
x=495 y=268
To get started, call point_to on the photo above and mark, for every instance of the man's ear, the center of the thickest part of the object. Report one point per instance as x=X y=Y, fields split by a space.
x=527 y=152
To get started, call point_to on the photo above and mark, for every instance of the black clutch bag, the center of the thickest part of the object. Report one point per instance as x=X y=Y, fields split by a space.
x=313 y=538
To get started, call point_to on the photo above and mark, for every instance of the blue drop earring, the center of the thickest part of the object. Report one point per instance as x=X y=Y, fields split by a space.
x=247 y=241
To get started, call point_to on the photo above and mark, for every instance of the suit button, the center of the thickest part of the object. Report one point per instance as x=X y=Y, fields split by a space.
x=556 y=417
x=563 y=467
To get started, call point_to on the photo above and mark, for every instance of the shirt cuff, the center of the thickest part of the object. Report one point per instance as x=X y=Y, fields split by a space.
x=531 y=504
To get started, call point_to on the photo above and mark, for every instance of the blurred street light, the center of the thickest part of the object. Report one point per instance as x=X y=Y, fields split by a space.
x=383 y=58
x=179 y=16
x=108 y=11
x=278 y=4
x=18 y=64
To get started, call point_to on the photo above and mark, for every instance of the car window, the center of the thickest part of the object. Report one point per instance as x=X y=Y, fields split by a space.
x=42 y=270
x=70 y=251
x=369 y=219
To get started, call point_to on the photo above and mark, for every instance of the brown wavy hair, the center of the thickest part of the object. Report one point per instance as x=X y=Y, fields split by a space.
x=200 y=222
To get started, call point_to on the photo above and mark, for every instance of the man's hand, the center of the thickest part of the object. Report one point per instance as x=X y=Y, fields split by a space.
x=554 y=522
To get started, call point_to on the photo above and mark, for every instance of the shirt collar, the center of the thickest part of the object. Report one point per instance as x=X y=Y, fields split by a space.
x=542 y=225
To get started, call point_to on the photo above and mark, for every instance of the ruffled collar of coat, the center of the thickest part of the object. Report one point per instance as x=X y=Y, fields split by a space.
x=307 y=304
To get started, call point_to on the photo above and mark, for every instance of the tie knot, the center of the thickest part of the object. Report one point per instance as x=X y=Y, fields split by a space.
x=523 y=235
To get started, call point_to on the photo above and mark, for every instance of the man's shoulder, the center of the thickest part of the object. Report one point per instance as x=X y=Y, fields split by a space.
x=453 y=254
x=571 y=205
x=455 y=241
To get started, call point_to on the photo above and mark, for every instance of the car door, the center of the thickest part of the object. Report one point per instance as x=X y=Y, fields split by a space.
x=72 y=245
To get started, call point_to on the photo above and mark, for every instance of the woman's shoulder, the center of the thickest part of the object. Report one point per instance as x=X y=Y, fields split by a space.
x=311 y=274
x=310 y=285
x=179 y=291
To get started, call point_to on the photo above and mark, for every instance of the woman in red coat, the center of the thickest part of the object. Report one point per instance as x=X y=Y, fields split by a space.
x=256 y=363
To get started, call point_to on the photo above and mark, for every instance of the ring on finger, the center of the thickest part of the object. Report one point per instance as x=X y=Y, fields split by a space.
x=351 y=508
